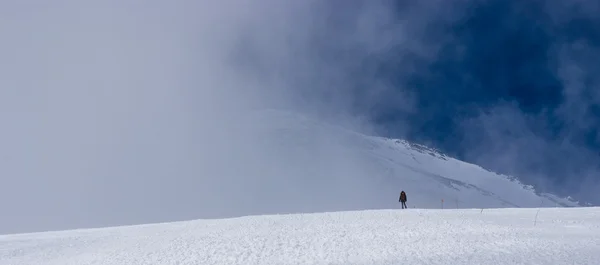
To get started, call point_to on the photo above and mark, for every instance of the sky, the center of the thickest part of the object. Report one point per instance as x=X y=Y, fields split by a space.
x=512 y=86
x=120 y=112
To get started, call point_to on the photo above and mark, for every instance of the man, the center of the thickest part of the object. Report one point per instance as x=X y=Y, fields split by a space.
x=403 y=200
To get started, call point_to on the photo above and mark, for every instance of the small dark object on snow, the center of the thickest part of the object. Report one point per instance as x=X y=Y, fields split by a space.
x=403 y=200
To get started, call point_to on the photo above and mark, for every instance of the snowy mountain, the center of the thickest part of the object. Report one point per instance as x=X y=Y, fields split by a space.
x=262 y=162
x=413 y=236
x=381 y=167
x=341 y=191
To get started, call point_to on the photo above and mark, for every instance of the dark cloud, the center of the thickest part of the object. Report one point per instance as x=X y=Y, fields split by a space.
x=512 y=86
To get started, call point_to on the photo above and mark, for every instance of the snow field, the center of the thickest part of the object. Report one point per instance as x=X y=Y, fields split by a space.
x=414 y=236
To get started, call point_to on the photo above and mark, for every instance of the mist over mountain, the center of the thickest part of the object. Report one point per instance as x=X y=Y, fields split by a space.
x=510 y=85
x=116 y=112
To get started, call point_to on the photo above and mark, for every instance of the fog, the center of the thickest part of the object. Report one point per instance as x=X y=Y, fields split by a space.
x=120 y=112
x=117 y=112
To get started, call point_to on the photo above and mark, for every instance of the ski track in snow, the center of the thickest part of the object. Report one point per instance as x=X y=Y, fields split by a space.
x=414 y=236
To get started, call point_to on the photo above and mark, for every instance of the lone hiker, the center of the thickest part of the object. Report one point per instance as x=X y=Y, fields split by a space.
x=403 y=200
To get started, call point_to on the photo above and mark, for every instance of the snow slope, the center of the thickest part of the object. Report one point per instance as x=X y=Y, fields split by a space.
x=413 y=236
x=267 y=162
x=431 y=179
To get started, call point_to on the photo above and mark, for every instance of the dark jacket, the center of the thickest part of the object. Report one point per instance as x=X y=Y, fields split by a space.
x=402 y=197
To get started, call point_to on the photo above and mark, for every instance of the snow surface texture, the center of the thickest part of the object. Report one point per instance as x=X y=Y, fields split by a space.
x=413 y=236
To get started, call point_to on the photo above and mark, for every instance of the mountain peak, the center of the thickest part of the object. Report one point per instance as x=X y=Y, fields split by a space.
x=384 y=166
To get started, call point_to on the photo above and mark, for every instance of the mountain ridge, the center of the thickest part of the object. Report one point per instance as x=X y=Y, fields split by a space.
x=375 y=147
